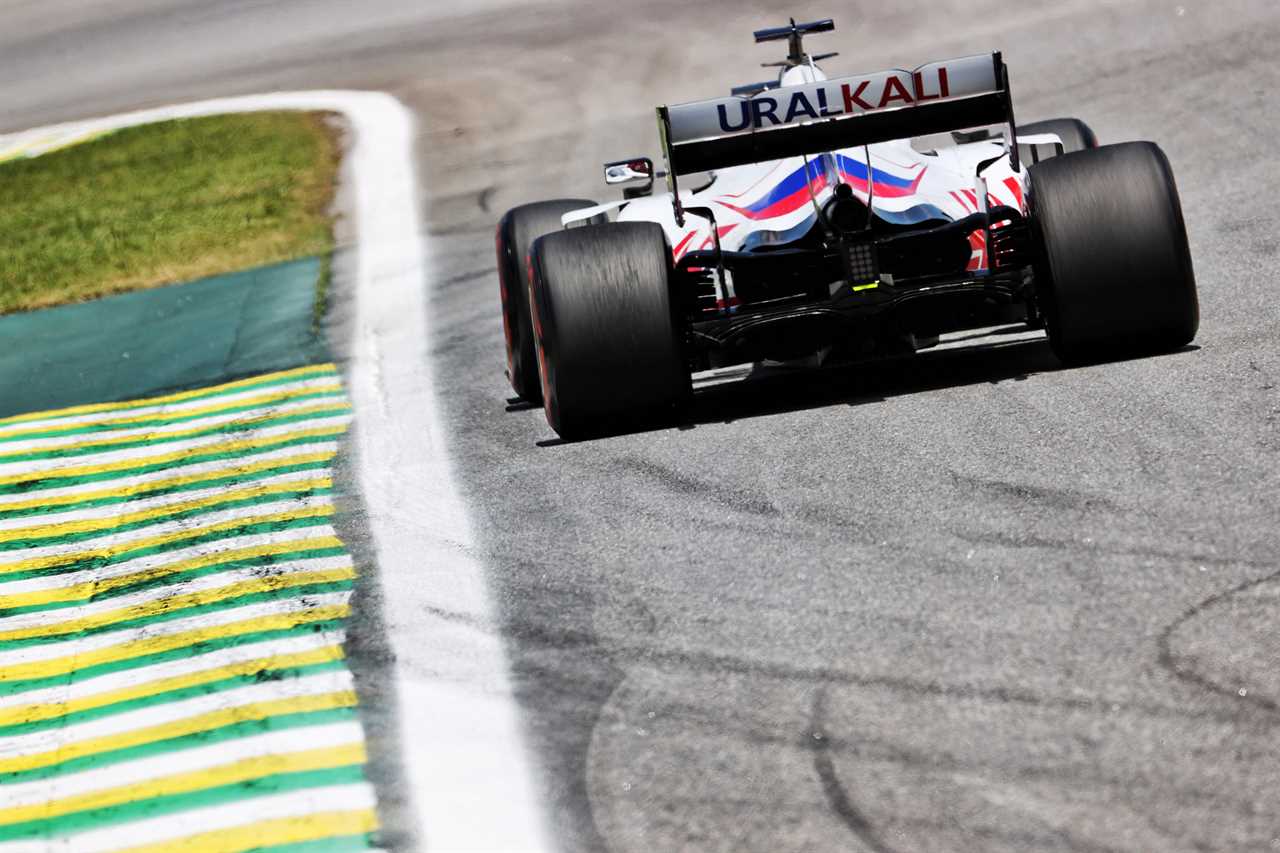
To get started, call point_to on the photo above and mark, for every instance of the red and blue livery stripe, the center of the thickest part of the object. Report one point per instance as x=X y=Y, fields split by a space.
x=792 y=192
x=887 y=185
x=796 y=189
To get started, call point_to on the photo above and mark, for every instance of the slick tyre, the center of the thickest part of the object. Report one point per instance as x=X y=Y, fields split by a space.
x=517 y=232
x=1113 y=272
x=609 y=348
x=1075 y=134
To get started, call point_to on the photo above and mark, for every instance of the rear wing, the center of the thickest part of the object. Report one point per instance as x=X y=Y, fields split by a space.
x=812 y=118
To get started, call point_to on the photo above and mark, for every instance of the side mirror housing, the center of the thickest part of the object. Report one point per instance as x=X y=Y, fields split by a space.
x=637 y=170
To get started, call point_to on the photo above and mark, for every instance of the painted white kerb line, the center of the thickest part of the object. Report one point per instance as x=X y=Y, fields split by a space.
x=463 y=750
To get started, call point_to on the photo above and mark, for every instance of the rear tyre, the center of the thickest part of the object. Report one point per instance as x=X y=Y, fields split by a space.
x=1114 y=274
x=609 y=347
x=1075 y=136
x=516 y=233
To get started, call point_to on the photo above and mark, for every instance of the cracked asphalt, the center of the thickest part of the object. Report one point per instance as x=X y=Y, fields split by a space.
x=970 y=602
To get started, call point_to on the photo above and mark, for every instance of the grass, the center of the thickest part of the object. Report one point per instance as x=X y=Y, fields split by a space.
x=164 y=203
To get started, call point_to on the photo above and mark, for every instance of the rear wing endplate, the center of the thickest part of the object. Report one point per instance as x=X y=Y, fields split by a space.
x=811 y=118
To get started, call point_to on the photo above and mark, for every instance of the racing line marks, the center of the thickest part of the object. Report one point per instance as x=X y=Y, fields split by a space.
x=819 y=742
x=1182 y=668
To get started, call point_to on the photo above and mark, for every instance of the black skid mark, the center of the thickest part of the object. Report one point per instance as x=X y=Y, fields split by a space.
x=1173 y=663
x=837 y=797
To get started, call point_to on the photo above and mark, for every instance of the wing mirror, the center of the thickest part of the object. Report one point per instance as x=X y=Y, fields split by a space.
x=636 y=170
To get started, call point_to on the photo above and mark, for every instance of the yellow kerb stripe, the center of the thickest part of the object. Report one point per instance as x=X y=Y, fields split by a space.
x=180 y=456
x=49 y=710
x=93 y=408
x=104 y=428
x=236 y=772
x=236 y=469
x=155 y=645
x=83 y=591
x=179 y=728
x=106 y=552
x=268 y=833
x=106 y=440
x=172 y=604
x=67 y=528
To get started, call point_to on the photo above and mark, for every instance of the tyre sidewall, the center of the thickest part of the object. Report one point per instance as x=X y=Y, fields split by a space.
x=610 y=352
x=516 y=233
x=1114 y=270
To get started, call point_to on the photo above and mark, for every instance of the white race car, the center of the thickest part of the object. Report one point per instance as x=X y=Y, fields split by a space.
x=833 y=220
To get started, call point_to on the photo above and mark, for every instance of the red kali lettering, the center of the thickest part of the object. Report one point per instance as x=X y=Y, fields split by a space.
x=922 y=95
x=852 y=97
x=894 y=91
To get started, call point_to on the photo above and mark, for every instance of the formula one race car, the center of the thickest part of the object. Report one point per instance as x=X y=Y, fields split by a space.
x=828 y=225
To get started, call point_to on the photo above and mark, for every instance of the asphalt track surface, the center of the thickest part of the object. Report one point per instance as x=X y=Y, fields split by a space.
x=971 y=602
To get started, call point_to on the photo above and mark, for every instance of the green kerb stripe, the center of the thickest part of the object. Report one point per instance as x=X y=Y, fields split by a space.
x=271 y=381
x=341 y=844
x=300 y=490
x=155 y=806
x=166 y=420
x=154 y=550
x=205 y=738
x=180 y=577
x=98 y=562
x=51 y=479
x=8 y=688
x=292 y=593
x=154 y=492
x=15 y=729
x=229 y=429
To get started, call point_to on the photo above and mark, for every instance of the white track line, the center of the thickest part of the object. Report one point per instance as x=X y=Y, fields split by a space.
x=468 y=768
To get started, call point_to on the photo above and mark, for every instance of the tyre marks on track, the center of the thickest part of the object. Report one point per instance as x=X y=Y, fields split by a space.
x=1190 y=669
x=832 y=789
x=173 y=600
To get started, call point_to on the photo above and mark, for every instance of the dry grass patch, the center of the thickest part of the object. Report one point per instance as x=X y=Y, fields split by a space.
x=163 y=203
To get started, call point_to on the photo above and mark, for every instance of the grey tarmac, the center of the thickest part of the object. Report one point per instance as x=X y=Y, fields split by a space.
x=969 y=602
